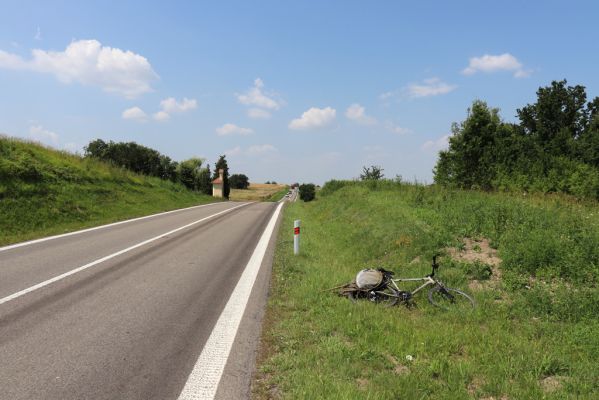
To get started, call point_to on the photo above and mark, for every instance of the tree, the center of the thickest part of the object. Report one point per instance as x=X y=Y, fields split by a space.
x=239 y=181
x=188 y=172
x=204 y=181
x=557 y=118
x=307 y=191
x=372 y=173
x=222 y=164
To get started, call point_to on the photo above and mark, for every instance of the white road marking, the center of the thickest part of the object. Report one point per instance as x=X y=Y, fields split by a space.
x=108 y=257
x=203 y=380
x=30 y=242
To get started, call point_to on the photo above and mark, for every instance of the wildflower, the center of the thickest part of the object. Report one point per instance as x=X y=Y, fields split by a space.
x=409 y=357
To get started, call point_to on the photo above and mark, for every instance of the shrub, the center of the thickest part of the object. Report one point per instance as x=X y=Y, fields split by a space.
x=307 y=191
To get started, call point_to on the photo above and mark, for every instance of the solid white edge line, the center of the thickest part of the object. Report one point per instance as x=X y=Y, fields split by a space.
x=34 y=241
x=204 y=379
x=108 y=257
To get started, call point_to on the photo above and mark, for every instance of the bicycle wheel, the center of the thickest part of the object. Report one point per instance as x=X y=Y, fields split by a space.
x=387 y=296
x=446 y=298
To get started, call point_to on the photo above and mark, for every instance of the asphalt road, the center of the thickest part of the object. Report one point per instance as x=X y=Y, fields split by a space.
x=131 y=325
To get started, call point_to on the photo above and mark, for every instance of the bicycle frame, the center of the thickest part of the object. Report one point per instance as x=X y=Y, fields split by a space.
x=428 y=281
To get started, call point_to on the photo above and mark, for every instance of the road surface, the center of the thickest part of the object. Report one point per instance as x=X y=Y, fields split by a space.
x=126 y=312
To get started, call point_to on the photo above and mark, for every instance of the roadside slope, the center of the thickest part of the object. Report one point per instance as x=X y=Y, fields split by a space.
x=45 y=191
x=535 y=333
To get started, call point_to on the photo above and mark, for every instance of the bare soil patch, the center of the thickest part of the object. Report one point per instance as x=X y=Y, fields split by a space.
x=551 y=384
x=478 y=250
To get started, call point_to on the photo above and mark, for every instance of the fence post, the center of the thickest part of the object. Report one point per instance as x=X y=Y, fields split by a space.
x=296 y=236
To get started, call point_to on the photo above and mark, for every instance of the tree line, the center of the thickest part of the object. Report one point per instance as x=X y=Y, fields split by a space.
x=554 y=146
x=144 y=160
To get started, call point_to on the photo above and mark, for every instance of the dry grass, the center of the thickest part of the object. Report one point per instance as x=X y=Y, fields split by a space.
x=256 y=192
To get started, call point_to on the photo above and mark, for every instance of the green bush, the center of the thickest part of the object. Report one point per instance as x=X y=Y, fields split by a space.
x=307 y=191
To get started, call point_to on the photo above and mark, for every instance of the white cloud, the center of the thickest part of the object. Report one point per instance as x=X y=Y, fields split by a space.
x=252 y=151
x=134 y=113
x=161 y=116
x=441 y=143
x=171 y=105
x=259 y=149
x=40 y=134
x=357 y=113
x=233 y=152
x=396 y=128
x=314 y=118
x=489 y=63
x=89 y=63
x=258 y=113
x=232 y=129
x=429 y=87
x=257 y=98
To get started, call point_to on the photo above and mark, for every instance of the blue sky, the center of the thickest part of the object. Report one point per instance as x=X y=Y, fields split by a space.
x=290 y=91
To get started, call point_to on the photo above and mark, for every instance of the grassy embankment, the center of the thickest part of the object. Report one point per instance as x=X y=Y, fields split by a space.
x=259 y=192
x=44 y=192
x=534 y=334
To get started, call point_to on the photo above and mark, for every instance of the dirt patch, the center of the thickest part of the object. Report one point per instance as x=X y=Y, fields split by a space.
x=362 y=383
x=474 y=386
x=551 y=384
x=478 y=250
x=398 y=367
x=475 y=285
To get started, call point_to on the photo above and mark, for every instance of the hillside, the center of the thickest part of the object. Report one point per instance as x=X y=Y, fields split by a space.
x=45 y=191
x=531 y=262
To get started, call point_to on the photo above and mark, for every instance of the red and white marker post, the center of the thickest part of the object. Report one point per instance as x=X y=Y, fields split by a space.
x=296 y=236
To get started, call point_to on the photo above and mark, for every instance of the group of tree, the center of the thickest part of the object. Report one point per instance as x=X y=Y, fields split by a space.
x=144 y=160
x=554 y=147
x=239 y=181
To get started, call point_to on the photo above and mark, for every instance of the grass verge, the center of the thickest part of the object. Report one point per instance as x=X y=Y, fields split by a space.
x=534 y=334
x=45 y=192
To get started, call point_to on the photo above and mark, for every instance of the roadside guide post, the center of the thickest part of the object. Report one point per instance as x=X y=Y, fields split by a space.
x=296 y=236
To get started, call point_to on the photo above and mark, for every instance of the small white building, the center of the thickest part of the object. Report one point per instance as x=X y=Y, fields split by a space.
x=218 y=184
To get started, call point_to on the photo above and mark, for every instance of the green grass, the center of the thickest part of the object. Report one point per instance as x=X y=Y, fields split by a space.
x=538 y=324
x=44 y=191
x=278 y=195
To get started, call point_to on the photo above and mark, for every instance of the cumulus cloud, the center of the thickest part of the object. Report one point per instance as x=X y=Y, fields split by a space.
x=252 y=151
x=88 y=62
x=490 y=63
x=262 y=103
x=396 y=128
x=232 y=129
x=134 y=113
x=40 y=134
x=258 y=113
x=259 y=149
x=438 y=144
x=233 y=152
x=161 y=116
x=171 y=106
x=429 y=87
x=357 y=113
x=314 y=118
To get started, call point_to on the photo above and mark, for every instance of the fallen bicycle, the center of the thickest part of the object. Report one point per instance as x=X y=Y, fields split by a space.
x=378 y=286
